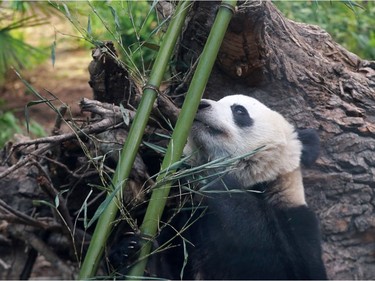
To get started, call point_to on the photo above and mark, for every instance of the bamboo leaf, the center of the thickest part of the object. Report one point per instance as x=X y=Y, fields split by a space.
x=115 y=17
x=186 y=256
x=352 y=4
x=125 y=115
x=151 y=46
x=84 y=209
x=99 y=211
x=27 y=116
x=155 y=147
x=43 y=202
x=53 y=53
x=89 y=30
x=57 y=199
x=67 y=12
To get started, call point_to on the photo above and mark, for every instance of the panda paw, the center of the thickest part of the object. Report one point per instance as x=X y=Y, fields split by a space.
x=125 y=253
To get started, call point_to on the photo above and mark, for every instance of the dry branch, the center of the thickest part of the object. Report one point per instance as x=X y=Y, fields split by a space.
x=47 y=160
x=35 y=242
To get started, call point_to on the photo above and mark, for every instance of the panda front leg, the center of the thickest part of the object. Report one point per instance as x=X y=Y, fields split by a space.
x=304 y=234
x=165 y=261
x=124 y=254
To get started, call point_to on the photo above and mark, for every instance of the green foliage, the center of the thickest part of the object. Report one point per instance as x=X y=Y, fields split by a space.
x=14 y=52
x=36 y=130
x=29 y=7
x=10 y=125
x=350 y=23
x=132 y=25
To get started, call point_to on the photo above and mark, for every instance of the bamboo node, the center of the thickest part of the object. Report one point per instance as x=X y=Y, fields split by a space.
x=151 y=87
x=228 y=6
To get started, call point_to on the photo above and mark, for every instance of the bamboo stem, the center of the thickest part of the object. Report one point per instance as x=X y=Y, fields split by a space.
x=130 y=149
x=175 y=148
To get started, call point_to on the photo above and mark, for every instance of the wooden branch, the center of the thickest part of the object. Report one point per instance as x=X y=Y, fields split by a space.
x=59 y=120
x=110 y=119
x=112 y=116
x=46 y=185
x=21 y=217
x=68 y=171
x=36 y=243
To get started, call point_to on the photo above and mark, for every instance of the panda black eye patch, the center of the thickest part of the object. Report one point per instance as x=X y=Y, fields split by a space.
x=240 y=116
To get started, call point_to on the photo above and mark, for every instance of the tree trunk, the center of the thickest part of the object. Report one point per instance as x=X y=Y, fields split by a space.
x=298 y=70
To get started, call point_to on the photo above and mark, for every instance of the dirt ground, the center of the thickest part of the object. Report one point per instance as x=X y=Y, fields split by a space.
x=67 y=80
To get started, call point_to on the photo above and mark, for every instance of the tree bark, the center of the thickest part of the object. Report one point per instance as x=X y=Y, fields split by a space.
x=298 y=70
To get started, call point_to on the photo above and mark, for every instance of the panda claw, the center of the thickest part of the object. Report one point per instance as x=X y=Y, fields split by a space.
x=126 y=252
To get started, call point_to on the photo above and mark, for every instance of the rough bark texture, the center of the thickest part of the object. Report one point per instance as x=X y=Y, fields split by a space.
x=294 y=68
x=298 y=70
x=108 y=78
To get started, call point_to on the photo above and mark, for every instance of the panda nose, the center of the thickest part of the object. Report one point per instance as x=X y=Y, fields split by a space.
x=203 y=104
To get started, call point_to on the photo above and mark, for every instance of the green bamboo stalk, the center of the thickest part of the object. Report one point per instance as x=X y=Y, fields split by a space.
x=130 y=149
x=175 y=148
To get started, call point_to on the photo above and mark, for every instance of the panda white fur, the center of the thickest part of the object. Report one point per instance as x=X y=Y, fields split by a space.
x=237 y=125
x=253 y=223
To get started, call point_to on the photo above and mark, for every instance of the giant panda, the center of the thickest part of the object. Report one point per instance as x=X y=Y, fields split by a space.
x=252 y=221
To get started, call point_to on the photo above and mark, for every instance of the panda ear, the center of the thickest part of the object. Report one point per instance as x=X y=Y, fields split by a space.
x=311 y=145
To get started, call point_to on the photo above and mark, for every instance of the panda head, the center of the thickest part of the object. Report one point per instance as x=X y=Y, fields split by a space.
x=237 y=125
